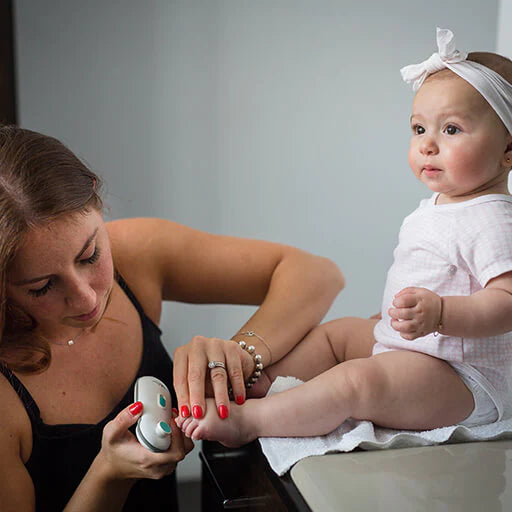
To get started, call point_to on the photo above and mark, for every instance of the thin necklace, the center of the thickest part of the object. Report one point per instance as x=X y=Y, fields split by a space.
x=70 y=342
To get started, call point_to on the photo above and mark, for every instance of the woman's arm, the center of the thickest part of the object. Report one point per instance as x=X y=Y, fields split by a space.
x=16 y=488
x=120 y=463
x=293 y=288
x=170 y=261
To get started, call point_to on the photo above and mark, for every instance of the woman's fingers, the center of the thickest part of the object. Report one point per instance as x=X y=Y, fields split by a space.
x=192 y=376
x=117 y=429
x=180 y=446
x=127 y=458
x=180 y=380
x=157 y=465
x=222 y=363
x=235 y=373
x=219 y=380
x=197 y=368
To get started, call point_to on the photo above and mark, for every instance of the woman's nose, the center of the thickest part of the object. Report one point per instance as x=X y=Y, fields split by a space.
x=428 y=146
x=81 y=296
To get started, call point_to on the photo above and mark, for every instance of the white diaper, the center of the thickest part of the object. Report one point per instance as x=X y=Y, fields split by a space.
x=485 y=410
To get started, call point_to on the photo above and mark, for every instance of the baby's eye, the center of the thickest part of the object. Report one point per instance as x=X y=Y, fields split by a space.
x=417 y=129
x=451 y=129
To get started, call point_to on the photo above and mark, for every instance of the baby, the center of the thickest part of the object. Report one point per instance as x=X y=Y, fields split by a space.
x=441 y=353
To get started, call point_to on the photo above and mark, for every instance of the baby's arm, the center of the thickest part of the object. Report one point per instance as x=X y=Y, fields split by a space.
x=417 y=311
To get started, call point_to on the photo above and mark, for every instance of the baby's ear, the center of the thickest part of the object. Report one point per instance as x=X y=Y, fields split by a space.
x=507 y=157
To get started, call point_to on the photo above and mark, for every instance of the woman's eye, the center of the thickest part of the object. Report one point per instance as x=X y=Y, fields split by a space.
x=418 y=129
x=41 y=291
x=451 y=129
x=92 y=259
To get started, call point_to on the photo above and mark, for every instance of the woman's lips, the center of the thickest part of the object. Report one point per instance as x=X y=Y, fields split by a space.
x=87 y=316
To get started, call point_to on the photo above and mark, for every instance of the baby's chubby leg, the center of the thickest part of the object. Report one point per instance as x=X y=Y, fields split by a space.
x=322 y=348
x=399 y=389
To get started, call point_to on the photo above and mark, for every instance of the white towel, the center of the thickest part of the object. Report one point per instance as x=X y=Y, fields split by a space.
x=283 y=452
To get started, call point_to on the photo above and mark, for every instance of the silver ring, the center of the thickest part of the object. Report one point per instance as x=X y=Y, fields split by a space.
x=216 y=364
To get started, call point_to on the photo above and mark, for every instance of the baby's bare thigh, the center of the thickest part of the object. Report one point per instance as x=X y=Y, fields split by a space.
x=409 y=390
x=326 y=346
x=350 y=337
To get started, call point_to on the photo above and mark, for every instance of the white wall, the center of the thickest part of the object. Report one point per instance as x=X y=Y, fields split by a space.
x=504 y=39
x=276 y=119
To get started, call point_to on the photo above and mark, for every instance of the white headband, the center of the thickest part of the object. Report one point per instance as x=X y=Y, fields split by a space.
x=492 y=86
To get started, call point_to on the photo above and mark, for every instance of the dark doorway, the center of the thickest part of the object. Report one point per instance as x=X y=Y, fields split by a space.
x=7 y=65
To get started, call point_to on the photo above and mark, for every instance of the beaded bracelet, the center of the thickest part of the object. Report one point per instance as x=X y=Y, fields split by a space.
x=258 y=365
x=440 y=324
x=252 y=333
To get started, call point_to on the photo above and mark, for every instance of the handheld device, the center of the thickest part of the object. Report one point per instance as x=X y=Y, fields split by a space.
x=153 y=430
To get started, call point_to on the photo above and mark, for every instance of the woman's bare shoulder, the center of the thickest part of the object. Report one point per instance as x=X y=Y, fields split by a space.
x=15 y=427
x=131 y=245
x=130 y=238
x=126 y=233
x=16 y=486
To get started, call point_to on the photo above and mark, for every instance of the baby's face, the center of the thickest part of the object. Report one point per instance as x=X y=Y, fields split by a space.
x=458 y=145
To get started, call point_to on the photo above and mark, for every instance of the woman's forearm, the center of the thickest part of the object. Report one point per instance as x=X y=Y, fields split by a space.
x=98 y=491
x=301 y=291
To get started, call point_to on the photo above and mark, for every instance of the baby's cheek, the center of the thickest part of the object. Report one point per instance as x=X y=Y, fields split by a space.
x=412 y=159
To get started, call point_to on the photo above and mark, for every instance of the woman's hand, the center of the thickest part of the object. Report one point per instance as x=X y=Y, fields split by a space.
x=193 y=380
x=124 y=458
x=416 y=312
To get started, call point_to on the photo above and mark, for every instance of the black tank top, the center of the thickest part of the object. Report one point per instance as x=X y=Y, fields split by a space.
x=62 y=454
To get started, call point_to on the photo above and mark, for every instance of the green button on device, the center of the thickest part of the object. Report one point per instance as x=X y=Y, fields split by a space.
x=165 y=427
x=161 y=401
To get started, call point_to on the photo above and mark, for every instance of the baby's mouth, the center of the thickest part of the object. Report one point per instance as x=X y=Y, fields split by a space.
x=429 y=170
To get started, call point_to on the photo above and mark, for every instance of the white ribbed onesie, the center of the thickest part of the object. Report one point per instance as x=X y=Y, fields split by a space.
x=455 y=249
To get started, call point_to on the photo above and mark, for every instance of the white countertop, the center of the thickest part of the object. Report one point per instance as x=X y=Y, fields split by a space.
x=466 y=477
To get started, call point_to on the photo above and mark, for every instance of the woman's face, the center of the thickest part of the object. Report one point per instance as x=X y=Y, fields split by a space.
x=62 y=274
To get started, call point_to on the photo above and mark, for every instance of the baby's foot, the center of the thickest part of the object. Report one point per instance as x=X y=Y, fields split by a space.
x=231 y=432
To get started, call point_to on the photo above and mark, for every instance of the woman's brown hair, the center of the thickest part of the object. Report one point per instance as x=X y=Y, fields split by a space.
x=40 y=180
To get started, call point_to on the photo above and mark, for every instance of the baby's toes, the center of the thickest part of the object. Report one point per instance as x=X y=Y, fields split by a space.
x=195 y=432
x=179 y=420
x=186 y=425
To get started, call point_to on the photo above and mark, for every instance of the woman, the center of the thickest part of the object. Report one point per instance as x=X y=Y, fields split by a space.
x=80 y=303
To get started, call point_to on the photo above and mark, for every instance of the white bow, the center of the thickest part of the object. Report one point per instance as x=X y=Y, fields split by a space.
x=447 y=54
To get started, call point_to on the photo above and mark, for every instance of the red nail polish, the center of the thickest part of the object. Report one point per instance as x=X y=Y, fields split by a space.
x=197 y=411
x=239 y=400
x=185 y=411
x=223 y=412
x=135 y=408
x=175 y=411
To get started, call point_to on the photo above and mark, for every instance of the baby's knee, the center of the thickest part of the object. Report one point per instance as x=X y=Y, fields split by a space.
x=349 y=337
x=364 y=382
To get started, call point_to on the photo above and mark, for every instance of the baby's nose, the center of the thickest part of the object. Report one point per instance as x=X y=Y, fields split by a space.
x=428 y=146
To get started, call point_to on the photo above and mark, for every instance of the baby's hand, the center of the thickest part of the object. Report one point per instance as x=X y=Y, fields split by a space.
x=416 y=312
